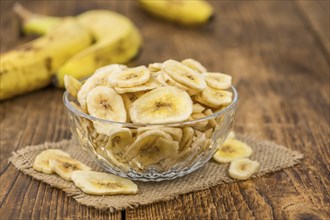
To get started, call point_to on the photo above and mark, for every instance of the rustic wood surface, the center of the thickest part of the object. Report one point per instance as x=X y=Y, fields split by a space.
x=278 y=54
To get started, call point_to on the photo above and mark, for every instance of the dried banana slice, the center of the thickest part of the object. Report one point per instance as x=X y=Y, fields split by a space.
x=99 y=78
x=218 y=80
x=194 y=64
x=136 y=165
x=199 y=115
x=161 y=149
x=243 y=168
x=231 y=135
x=97 y=183
x=118 y=140
x=201 y=125
x=198 y=108
x=198 y=148
x=187 y=135
x=144 y=141
x=199 y=98
x=72 y=85
x=198 y=134
x=131 y=77
x=184 y=75
x=109 y=157
x=161 y=105
x=209 y=132
x=111 y=69
x=217 y=97
x=232 y=149
x=128 y=99
x=171 y=82
x=64 y=166
x=155 y=67
x=77 y=107
x=101 y=139
x=176 y=133
x=159 y=78
x=190 y=148
x=200 y=141
x=151 y=84
x=41 y=163
x=104 y=103
x=183 y=157
x=212 y=121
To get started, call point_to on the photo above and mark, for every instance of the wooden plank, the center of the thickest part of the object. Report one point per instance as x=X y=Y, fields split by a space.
x=282 y=78
x=317 y=17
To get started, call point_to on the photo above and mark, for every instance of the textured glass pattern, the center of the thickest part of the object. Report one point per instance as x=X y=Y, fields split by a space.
x=197 y=141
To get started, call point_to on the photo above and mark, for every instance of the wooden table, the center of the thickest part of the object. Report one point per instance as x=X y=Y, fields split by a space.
x=278 y=54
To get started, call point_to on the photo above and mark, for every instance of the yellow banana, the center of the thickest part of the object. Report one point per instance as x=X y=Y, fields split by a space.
x=116 y=41
x=35 y=23
x=179 y=11
x=30 y=66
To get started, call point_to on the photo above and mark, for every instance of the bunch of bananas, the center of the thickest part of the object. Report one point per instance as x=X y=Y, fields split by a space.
x=74 y=46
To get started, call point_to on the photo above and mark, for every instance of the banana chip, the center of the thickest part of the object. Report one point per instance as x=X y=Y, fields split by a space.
x=155 y=67
x=243 y=168
x=118 y=140
x=151 y=84
x=218 y=80
x=144 y=141
x=184 y=75
x=232 y=149
x=217 y=97
x=194 y=64
x=162 y=105
x=231 y=135
x=211 y=121
x=64 y=166
x=131 y=77
x=159 y=150
x=187 y=135
x=198 y=108
x=176 y=133
x=72 y=85
x=97 y=183
x=99 y=78
x=103 y=102
x=41 y=163
x=199 y=98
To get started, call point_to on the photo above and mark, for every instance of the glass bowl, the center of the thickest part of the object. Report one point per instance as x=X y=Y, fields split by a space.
x=186 y=146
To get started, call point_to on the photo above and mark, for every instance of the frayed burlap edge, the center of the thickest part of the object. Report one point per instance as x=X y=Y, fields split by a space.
x=272 y=157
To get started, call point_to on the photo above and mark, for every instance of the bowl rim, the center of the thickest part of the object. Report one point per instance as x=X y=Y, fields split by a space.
x=174 y=124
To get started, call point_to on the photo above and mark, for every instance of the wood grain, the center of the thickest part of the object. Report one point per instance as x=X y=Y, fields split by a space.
x=317 y=15
x=277 y=53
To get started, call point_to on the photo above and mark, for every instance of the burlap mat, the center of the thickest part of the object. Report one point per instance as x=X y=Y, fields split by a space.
x=272 y=157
